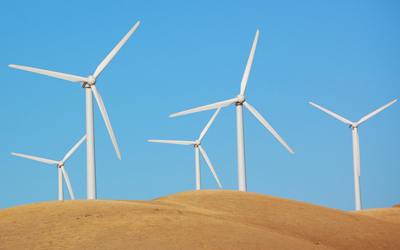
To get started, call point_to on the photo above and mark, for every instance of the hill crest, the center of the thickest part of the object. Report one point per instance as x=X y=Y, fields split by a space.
x=213 y=219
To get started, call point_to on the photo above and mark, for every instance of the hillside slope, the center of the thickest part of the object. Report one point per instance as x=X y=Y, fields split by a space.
x=212 y=219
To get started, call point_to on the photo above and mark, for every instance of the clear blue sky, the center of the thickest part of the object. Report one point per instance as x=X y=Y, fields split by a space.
x=344 y=56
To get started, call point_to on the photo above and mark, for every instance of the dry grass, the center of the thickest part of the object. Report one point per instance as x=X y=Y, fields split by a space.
x=207 y=219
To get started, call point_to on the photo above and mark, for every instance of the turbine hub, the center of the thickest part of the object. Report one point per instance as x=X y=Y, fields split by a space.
x=353 y=126
x=197 y=143
x=240 y=99
x=91 y=80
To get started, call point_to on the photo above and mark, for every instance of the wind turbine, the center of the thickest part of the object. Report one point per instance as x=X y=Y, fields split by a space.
x=239 y=100
x=356 y=146
x=88 y=83
x=61 y=169
x=197 y=146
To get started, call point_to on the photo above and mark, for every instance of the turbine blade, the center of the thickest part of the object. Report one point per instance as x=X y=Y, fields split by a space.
x=110 y=56
x=36 y=158
x=208 y=124
x=375 y=112
x=266 y=124
x=67 y=77
x=174 y=142
x=209 y=164
x=248 y=66
x=106 y=119
x=206 y=107
x=68 y=183
x=73 y=149
x=332 y=114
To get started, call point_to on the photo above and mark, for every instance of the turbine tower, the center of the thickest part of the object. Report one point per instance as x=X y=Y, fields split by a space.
x=356 y=146
x=88 y=83
x=61 y=169
x=239 y=101
x=197 y=146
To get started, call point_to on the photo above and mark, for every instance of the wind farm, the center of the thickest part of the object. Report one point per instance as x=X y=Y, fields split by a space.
x=88 y=83
x=342 y=56
x=239 y=101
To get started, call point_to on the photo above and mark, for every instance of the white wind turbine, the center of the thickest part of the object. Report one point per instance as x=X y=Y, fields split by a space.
x=89 y=84
x=356 y=146
x=197 y=146
x=61 y=169
x=239 y=100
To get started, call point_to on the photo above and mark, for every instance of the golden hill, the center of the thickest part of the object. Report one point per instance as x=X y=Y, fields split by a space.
x=206 y=219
